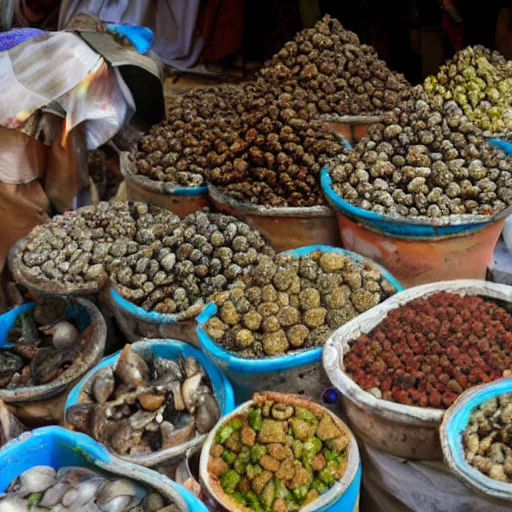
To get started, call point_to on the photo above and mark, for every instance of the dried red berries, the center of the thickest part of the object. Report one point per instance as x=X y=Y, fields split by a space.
x=431 y=350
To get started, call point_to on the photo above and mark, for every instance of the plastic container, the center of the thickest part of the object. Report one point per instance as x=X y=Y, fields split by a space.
x=285 y=228
x=177 y=199
x=136 y=323
x=343 y=496
x=297 y=372
x=351 y=128
x=58 y=447
x=414 y=250
x=454 y=423
x=92 y=326
x=401 y=430
x=169 y=349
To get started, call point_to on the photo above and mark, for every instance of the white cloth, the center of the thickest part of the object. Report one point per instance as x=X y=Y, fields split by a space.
x=400 y=485
x=172 y=21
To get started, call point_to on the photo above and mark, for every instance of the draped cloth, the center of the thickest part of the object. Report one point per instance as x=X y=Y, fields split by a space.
x=58 y=100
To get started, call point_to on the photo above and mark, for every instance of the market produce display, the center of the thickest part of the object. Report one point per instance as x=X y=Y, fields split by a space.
x=182 y=151
x=76 y=250
x=141 y=406
x=223 y=101
x=427 y=352
x=202 y=255
x=276 y=158
x=38 y=354
x=338 y=74
x=79 y=488
x=280 y=456
x=425 y=160
x=291 y=303
x=487 y=438
x=480 y=81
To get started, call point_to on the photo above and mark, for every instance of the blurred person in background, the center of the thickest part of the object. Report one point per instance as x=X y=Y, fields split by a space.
x=488 y=23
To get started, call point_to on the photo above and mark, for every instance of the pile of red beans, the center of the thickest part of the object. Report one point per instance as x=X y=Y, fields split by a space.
x=429 y=351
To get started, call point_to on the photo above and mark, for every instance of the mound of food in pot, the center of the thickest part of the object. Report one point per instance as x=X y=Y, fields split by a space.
x=487 y=438
x=38 y=354
x=279 y=456
x=427 y=352
x=144 y=405
x=80 y=489
x=338 y=74
x=480 y=81
x=292 y=303
x=202 y=255
x=425 y=159
x=78 y=249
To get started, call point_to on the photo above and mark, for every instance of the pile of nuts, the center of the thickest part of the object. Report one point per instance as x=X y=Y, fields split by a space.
x=146 y=404
x=77 y=249
x=480 y=81
x=288 y=304
x=487 y=438
x=280 y=456
x=181 y=151
x=337 y=73
x=421 y=161
x=277 y=157
x=224 y=101
x=202 y=255
x=429 y=351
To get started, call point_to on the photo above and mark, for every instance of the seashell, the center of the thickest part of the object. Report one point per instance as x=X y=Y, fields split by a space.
x=124 y=437
x=65 y=336
x=140 y=419
x=9 y=363
x=178 y=433
x=175 y=389
x=36 y=479
x=208 y=413
x=166 y=367
x=113 y=489
x=153 y=502
x=131 y=368
x=75 y=474
x=103 y=386
x=13 y=504
x=118 y=504
x=192 y=366
x=79 y=416
x=190 y=391
x=45 y=367
x=53 y=495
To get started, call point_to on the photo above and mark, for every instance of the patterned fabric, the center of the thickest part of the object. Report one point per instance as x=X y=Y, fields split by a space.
x=74 y=83
x=13 y=38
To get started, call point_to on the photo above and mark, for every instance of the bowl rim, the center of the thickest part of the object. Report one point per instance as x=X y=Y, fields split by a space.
x=455 y=421
x=349 y=476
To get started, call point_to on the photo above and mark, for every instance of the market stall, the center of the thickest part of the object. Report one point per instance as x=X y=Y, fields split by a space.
x=287 y=311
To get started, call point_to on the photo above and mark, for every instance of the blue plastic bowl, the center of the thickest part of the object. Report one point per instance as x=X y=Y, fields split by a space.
x=84 y=314
x=455 y=421
x=170 y=349
x=401 y=227
x=58 y=447
x=250 y=375
x=137 y=323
